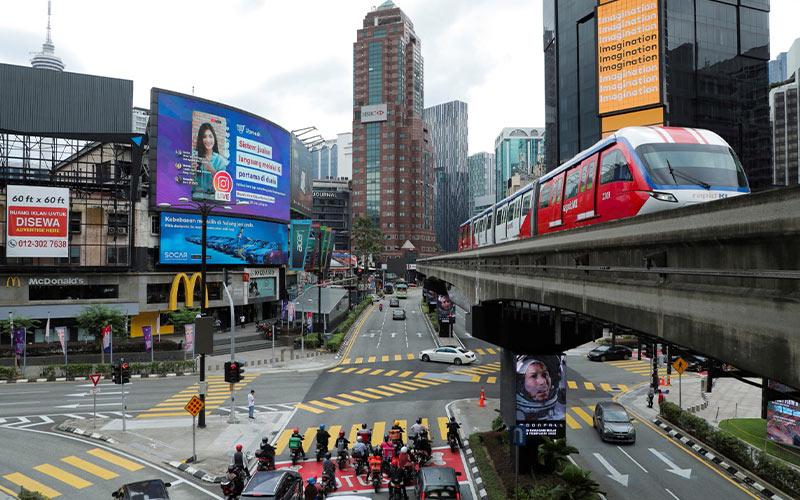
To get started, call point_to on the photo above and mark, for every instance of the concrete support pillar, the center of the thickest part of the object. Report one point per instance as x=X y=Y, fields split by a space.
x=638 y=348
x=613 y=338
x=710 y=377
x=557 y=327
x=764 y=397
x=667 y=354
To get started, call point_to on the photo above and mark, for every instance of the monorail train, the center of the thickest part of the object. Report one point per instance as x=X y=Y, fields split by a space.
x=637 y=170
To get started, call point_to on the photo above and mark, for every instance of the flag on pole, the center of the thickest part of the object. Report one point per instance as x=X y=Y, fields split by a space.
x=61 y=331
x=106 y=332
x=147 y=332
x=47 y=329
x=19 y=340
x=158 y=326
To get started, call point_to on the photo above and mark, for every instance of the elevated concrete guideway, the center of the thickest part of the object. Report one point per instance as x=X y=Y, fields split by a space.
x=721 y=278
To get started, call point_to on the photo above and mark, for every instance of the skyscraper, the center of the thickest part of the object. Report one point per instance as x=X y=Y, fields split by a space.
x=481 y=182
x=517 y=151
x=47 y=58
x=447 y=124
x=326 y=160
x=392 y=177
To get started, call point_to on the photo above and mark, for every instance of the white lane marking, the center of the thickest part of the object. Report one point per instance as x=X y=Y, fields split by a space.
x=632 y=460
x=613 y=473
x=671 y=493
x=684 y=473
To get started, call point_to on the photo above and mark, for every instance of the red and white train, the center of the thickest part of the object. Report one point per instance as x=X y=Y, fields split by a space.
x=637 y=170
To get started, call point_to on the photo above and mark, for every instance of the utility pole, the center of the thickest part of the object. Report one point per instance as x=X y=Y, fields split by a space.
x=204 y=211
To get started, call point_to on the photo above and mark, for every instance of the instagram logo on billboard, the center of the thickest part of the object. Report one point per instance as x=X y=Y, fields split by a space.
x=223 y=184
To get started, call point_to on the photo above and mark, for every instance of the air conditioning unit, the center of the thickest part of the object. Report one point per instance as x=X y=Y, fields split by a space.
x=118 y=230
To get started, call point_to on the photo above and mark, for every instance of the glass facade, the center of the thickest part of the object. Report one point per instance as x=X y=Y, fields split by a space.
x=517 y=151
x=375 y=72
x=373 y=171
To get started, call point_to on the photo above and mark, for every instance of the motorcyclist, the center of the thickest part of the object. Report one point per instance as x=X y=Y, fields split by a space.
x=366 y=434
x=651 y=392
x=267 y=451
x=323 y=437
x=239 y=460
x=396 y=433
x=396 y=479
x=234 y=475
x=387 y=448
x=312 y=491
x=452 y=430
x=360 y=449
x=329 y=468
x=375 y=461
x=402 y=458
x=296 y=442
x=423 y=443
x=342 y=443
x=380 y=306
x=415 y=430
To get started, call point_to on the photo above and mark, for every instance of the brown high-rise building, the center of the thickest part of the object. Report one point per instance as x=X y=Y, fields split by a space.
x=392 y=171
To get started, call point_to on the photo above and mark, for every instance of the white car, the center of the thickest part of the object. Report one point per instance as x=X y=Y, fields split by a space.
x=455 y=355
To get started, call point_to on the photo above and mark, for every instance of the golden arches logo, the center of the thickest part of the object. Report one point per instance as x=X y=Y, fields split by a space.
x=188 y=290
x=13 y=282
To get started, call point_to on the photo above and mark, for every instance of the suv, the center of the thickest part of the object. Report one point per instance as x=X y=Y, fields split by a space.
x=606 y=352
x=613 y=423
x=151 y=488
x=437 y=482
x=282 y=484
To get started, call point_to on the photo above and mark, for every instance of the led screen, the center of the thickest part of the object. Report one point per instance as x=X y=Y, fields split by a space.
x=541 y=394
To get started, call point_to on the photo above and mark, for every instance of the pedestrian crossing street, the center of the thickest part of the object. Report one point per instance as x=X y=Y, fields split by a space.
x=643 y=368
x=66 y=475
x=367 y=394
x=218 y=393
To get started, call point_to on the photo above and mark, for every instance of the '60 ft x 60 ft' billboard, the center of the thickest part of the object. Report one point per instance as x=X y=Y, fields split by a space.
x=211 y=153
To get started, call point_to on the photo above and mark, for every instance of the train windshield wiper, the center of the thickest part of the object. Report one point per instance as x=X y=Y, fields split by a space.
x=686 y=176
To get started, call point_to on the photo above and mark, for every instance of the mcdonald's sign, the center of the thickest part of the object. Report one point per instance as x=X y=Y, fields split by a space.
x=13 y=282
x=188 y=290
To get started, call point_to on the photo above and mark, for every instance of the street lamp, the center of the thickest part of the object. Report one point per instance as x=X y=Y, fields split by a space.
x=205 y=208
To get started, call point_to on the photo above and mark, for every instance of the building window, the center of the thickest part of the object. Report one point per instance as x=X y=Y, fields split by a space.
x=155 y=224
x=75 y=222
x=74 y=256
x=117 y=223
x=117 y=255
x=72 y=292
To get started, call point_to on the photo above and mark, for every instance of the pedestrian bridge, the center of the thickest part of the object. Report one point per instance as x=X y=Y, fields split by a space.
x=721 y=278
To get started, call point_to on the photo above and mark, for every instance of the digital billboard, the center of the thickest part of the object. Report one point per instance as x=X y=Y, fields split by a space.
x=37 y=221
x=229 y=240
x=262 y=284
x=209 y=152
x=783 y=417
x=302 y=176
x=628 y=55
x=541 y=394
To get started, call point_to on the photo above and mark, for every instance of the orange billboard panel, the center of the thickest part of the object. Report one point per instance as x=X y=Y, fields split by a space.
x=628 y=55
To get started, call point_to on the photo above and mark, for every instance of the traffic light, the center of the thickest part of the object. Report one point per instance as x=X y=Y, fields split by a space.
x=226 y=278
x=116 y=373
x=233 y=372
x=239 y=372
x=125 y=372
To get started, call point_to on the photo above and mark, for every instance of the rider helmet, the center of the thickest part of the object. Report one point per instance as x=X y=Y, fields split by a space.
x=296 y=430
x=419 y=421
x=341 y=434
x=358 y=439
x=312 y=480
x=452 y=419
x=322 y=427
x=238 y=447
x=328 y=455
x=363 y=426
x=404 y=450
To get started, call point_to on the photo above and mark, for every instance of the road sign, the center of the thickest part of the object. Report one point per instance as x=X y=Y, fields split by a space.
x=94 y=390
x=95 y=378
x=680 y=365
x=194 y=406
x=518 y=435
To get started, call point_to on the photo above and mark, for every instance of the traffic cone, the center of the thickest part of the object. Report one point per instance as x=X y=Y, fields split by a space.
x=661 y=381
x=482 y=399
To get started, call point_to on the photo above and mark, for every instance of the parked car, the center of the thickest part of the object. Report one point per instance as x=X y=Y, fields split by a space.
x=607 y=352
x=394 y=302
x=437 y=482
x=613 y=423
x=455 y=355
x=399 y=314
x=279 y=484
x=695 y=363
x=153 y=489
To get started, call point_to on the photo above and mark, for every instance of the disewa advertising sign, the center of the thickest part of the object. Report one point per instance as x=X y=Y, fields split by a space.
x=38 y=219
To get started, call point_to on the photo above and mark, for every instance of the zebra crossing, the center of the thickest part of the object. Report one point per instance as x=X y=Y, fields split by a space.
x=643 y=367
x=218 y=393
x=26 y=421
x=278 y=407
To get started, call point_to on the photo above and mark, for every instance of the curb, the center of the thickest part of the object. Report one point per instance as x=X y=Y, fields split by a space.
x=195 y=472
x=81 y=432
x=718 y=460
x=82 y=379
x=476 y=475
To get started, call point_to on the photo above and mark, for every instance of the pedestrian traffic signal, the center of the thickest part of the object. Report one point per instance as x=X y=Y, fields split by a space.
x=116 y=374
x=125 y=372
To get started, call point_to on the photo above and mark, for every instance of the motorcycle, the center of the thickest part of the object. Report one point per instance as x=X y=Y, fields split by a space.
x=321 y=451
x=420 y=456
x=360 y=464
x=328 y=484
x=232 y=485
x=396 y=490
x=296 y=456
x=452 y=442
x=343 y=459
x=376 y=477
x=380 y=307
x=265 y=462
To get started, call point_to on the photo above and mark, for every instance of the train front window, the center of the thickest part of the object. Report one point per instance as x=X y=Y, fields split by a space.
x=702 y=165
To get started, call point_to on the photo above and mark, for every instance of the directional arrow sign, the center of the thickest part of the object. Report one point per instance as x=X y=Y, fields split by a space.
x=613 y=473
x=393 y=334
x=419 y=334
x=684 y=473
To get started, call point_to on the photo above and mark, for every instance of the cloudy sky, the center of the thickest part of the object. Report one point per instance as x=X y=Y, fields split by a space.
x=291 y=61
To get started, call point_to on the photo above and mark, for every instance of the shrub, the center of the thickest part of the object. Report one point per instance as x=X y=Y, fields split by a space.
x=49 y=371
x=498 y=424
x=30 y=495
x=8 y=373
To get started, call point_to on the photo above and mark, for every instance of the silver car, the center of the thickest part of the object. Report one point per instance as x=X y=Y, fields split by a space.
x=613 y=423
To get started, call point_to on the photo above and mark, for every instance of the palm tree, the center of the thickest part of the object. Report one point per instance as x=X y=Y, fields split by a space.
x=578 y=485
x=553 y=454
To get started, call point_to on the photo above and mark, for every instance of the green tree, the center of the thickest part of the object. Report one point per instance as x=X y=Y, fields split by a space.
x=29 y=324
x=553 y=454
x=183 y=316
x=578 y=485
x=93 y=318
x=367 y=238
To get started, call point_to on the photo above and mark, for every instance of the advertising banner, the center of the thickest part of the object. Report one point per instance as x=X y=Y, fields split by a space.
x=301 y=234
x=211 y=152
x=106 y=333
x=188 y=341
x=374 y=113
x=445 y=310
x=290 y=310
x=628 y=55
x=38 y=221
x=302 y=175
x=19 y=340
x=783 y=418
x=229 y=240
x=312 y=255
x=263 y=284
x=541 y=395
x=147 y=333
x=61 y=331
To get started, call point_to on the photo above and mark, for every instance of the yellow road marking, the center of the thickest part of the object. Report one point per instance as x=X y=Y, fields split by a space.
x=425 y=423
x=282 y=441
x=572 y=423
x=623 y=387
x=366 y=395
x=353 y=398
x=346 y=361
x=442 y=421
x=416 y=384
x=376 y=372
x=31 y=484
x=584 y=416
x=475 y=378
x=309 y=436
x=89 y=467
x=385 y=358
x=324 y=405
x=371 y=359
x=363 y=371
x=65 y=477
x=420 y=375
x=337 y=401
x=606 y=387
x=308 y=408
x=353 y=431
x=349 y=370
x=410 y=356
x=491 y=350
x=390 y=373
x=359 y=360
x=405 y=386
x=336 y=369
x=115 y=459
x=376 y=391
x=8 y=492
x=398 y=357
x=405 y=374
x=589 y=386
x=480 y=351
x=591 y=410
x=491 y=380
x=377 y=433
x=391 y=389
x=425 y=381
x=571 y=384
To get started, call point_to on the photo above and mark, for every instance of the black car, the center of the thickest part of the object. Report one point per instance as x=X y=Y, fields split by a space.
x=437 y=482
x=399 y=314
x=607 y=352
x=694 y=362
x=613 y=423
x=152 y=489
x=282 y=484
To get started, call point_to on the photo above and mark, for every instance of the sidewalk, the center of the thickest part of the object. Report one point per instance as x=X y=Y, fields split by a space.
x=473 y=419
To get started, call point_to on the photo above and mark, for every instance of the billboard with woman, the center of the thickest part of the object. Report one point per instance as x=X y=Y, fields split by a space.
x=541 y=394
